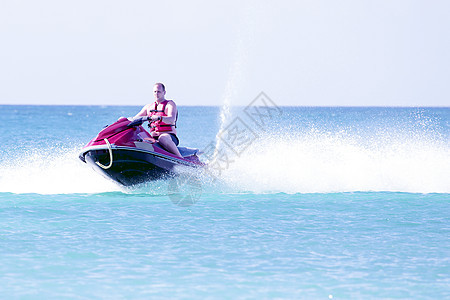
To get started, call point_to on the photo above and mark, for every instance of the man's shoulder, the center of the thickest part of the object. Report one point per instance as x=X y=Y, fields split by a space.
x=169 y=101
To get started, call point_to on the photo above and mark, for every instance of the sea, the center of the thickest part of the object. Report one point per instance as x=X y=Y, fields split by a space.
x=293 y=203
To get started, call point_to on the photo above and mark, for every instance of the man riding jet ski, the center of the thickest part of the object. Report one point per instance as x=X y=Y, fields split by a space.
x=163 y=115
x=127 y=153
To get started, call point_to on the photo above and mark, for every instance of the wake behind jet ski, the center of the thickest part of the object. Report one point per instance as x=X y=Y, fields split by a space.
x=126 y=153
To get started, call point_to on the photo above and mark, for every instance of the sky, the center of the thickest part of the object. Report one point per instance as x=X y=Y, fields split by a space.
x=299 y=53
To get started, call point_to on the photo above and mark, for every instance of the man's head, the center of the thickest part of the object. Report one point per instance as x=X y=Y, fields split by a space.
x=159 y=91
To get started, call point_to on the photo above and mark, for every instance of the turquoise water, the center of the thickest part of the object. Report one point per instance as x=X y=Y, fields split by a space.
x=324 y=203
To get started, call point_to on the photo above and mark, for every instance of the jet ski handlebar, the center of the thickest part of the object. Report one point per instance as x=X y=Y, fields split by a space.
x=139 y=120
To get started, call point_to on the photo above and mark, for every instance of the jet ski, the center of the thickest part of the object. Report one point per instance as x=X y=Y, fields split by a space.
x=126 y=153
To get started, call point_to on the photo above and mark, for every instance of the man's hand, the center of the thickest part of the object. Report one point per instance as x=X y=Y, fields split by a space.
x=154 y=118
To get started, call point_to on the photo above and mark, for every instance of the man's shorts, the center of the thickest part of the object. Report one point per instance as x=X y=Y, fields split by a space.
x=175 y=139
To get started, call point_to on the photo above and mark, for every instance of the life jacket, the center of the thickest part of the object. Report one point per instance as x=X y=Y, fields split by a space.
x=159 y=126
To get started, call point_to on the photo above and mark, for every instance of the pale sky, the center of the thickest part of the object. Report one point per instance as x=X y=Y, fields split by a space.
x=306 y=52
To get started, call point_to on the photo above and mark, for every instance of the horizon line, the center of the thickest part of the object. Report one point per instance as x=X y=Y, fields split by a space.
x=190 y=105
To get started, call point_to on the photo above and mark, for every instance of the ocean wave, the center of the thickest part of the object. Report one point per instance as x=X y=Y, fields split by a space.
x=300 y=162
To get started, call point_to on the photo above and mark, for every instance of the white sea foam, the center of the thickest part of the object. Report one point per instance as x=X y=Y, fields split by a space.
x=51 y=171
x=309 y=163
x=301 y=163
x=324 y=163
